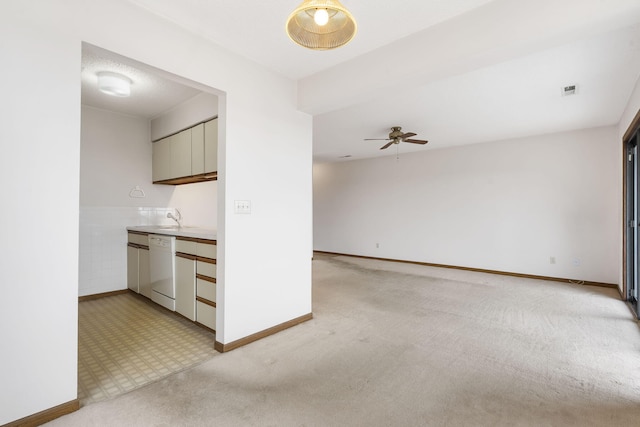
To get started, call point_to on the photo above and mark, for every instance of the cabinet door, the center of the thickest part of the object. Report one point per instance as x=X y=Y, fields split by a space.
x=181 y=154
x=144 y=280
x=197 y=149
x=132 y=269
x=161 y=159
x=211 y=146
x=186 y=287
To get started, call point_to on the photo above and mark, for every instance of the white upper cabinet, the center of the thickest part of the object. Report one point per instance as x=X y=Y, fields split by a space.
x=162 y=159
x=211 y=146
x=181 y=154
x=188 y=156
x=197 y=149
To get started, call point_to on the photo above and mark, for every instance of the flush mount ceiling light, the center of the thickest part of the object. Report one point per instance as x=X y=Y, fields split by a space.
x=114 y=84
x=321 y=25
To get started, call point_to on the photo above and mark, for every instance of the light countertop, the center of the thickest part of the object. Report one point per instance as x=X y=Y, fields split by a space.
x=173 y=230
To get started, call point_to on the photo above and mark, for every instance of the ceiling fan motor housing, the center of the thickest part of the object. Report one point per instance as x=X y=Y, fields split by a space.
x=396 y=136
x=396 y=132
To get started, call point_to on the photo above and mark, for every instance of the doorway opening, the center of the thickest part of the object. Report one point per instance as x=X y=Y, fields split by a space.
x=124 y=340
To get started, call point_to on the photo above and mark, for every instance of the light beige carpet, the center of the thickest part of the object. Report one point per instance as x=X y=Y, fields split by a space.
x=402 y=345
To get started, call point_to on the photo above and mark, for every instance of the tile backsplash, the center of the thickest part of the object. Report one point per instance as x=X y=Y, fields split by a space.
x=103 y=241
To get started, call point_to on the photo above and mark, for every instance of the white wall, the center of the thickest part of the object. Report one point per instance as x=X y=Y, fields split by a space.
x=506 y=206
x=633 y=106
x=198 y=204
x=39 y=167
x=195 y=110
x=115 y=157
x=265 y=270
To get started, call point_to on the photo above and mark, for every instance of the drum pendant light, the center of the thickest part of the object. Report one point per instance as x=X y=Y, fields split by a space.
x=321 y=25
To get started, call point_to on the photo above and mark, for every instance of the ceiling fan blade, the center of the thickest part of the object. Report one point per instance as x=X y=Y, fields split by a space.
x=386 y=145
x=407 y=135
x=377 y=139
x=416 y=141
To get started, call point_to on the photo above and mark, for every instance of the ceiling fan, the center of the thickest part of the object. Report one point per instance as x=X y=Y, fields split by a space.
x=396 y=136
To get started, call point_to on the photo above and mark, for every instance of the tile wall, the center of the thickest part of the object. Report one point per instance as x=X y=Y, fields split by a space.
x=103 y=241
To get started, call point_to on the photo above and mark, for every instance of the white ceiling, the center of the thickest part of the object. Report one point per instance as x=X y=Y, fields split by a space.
x=238 y=25
x=453 y=71
x=151 y=94
x=511 y=99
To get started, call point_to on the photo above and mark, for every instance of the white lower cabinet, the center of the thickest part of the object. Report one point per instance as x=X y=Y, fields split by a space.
x=206 y=315
x=196 y=280
x=206 y=289
x=138 y=279
x=186 y=287
x=206 y=293
x=144 y=279
x=132 y=269
x=195 y=276
x=206 y=269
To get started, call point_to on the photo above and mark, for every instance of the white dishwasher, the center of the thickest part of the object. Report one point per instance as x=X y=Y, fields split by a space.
x=162 y=251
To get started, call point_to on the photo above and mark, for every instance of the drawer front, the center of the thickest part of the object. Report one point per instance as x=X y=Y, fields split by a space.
x=206 y=269
x=206 y=315
x=207 y=251
x=139 y=239
x=206 y=290
x=186 y=247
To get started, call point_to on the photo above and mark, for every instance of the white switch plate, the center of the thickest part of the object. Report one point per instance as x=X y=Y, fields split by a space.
x=242 y=206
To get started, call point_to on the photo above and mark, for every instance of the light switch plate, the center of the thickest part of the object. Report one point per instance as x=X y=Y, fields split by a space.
x=242 y=206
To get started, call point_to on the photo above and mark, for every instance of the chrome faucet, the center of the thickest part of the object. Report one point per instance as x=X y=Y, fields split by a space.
x=173 y=217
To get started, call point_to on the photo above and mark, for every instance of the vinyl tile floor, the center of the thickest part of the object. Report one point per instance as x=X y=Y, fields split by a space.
x=125 y=342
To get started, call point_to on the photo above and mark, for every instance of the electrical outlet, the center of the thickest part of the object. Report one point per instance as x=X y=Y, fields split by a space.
x=377 y=245
x=552 y=260
x=577 y=262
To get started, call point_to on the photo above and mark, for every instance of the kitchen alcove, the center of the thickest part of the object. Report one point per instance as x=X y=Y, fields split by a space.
x=116 y=155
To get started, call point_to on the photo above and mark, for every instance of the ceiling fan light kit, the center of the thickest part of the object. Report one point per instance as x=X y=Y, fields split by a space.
x=396 y=136
x=321 y=25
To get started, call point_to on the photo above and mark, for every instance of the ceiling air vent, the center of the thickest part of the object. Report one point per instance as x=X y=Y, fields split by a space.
x=569 y=90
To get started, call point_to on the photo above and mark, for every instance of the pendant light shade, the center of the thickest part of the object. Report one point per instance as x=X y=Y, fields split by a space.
x=321 y=25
